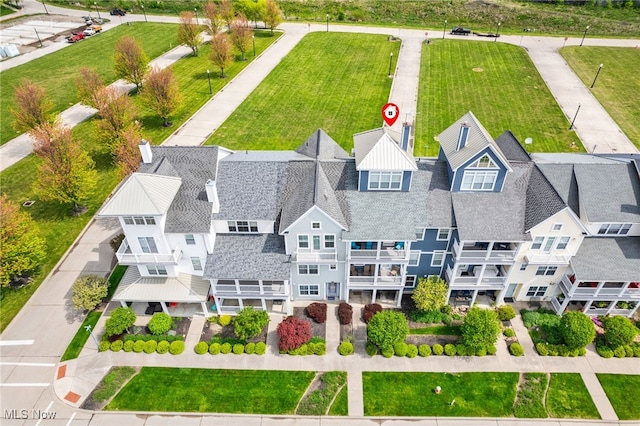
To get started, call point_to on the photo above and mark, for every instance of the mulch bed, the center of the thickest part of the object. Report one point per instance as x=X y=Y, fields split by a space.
x=181 y=324
x=346 y=330
x=317 y=330
x=430 y=339
x=209 y=330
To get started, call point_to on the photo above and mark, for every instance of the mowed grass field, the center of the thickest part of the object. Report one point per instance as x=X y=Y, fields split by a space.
x=499 y=84
x=337 y=82
x=56 y=72
x=623 y=390
x=618 y=85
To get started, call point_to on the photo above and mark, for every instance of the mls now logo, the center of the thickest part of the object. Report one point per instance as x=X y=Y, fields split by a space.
x=390 y=113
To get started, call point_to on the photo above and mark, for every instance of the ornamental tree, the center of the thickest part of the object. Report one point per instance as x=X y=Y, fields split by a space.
x=430 y=294
x=387 y=328
x=618 y=331
x=160 y=323
x=272 y=15
x=213 y=18
x=161 y=93
x=127 y=152
x=117 y=119
x=249 y=323
x=120 y=319
x=225 y=7
x=33 y=107
x=130 y=61
x=221 y=54
x=189 y=32
x=88 y=291
x=241 y=35
x=480 y=328
x=577 y=330
x=89 y=84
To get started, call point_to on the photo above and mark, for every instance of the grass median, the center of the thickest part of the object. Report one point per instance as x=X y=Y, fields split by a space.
x=623 y=391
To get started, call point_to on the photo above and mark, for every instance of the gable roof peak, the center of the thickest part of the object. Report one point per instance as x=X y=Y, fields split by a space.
x=321 y=146
x=379 y=149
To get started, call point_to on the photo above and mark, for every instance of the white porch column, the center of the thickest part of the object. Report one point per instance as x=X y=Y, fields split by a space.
x=586 y=307
x=564 y=304
x=204 y=309
x=287 y=304
x=624 y=288
x=473 y=298
x=598 y=288
x=633 y=311
x=218 y=302
x=164 y=307
x=374 y=294
x=264 y=303
x=611 y=307
x=482 y=269
x=500 y=296
x=399 y=298
x=261 y=287
x=123 y=303
x=489 y=250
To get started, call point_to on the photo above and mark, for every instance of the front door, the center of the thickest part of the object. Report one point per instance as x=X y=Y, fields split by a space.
x=333 y=290
x=508 y=295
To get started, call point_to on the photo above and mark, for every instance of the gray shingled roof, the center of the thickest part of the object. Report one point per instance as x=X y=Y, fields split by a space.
x=439 y=206
x=248 y=257
x=542 y=200
x=298 y=194
x=190 y=211
x=322 y=147
x=608 y=259
x=511 y=147
x=564 y=182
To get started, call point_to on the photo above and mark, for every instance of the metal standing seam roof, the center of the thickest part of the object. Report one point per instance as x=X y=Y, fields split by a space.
x=608 y=259
x=184 y=288
x=377 y=150
x=142 y=194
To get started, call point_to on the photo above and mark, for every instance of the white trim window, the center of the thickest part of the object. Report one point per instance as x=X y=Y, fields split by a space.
x=523 y=266
x=139 y=220
x=479 y=180
x=190 y=239
x=242 y=226
x=557 y=227
x=385 y=180
x=196 y=263
x=614 y=229
x=420 y=233
x=443 y=234
x=329 y=241
x=437 y=259
x=308 y=270
x=484 y=162
x=563 y=242
x=316 y=225
x=536 y=291
x=156 y=270
x=414 y=257
x=547 y=270
x=148 y=245
x=410 y=281
x=303 y=241
x=309 y=289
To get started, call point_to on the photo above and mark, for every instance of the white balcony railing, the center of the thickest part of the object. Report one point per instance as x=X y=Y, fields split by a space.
x=573 y=290
x=557 y=305
x=548 y=258
x=479 y=281
x=382 y=254
x=479 y=256
x=374 y=281
x=250 y=290
x=316 y=256
x=126 y=257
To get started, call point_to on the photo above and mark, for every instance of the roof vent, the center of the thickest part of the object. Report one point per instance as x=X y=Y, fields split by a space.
x=145 y=151
x=463 y=135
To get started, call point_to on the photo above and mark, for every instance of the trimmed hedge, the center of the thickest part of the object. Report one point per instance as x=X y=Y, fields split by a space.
x=437 y=349
x=116 y=345
x=547 y=349
x=412 y=351
x=214 y=348
x=506 y=312
x=201 y=348
x=292 y=333
x=250 y=348
x=150 y=346
x=370 y=310
x=509 y=332
x=516 y=349
x=176 y=347
x=163 y=347
x=104 y=346
x=400 y=349
x=261 y=348
x=345 y=348
x=138 y=346
x=226 y=348
x=387 y=352
x=160 y=323
x=345 y=313
x=238 y=348
x=449 y=349
x=371 y=349
x=224 y=320
x=128 y=346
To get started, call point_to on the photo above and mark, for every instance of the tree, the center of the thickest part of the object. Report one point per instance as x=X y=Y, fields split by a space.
x=226 y=12
x=430 y=293
x=249 y=323
x=117 y=114
x=127 y=152
x=66 y=173
x=241 y=35
x=387 y=328
x=480 y=328
x=33 y=108
x=213 y=18
x=618 y=331
x=120 y=319
x=88 y=291
x=221 y=54
x=189 y=32
x=577 y=330
x=21 y=247
x=272 y=15
x=89 y=84
x=252 y=9
x=161 y=93
x=130 y=61
x=160 y=323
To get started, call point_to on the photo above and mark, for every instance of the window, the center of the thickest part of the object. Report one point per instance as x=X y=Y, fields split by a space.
x=333 y=267
x=309 y=289
x=419 y=233
x=128 y=220
x=315 y=225
x=614 y=229
x=548 y=245
x=443 y=234
x=537 y=243
x=307 y=269
x=479 y=180
x=316 y=242
x=329 y=241
x=562 y=243
x=410 y=281
x=385 y=180
x=156 y=270
x=303 y=241
x=438 y=258
x=190 y=239
x=557 y=226
x=150 y=220
x=414 y=258
x=242 y=226
x=139 y=220
x=536 y=291
x=484 y=162
x=148 y=244
x=197 y=265
x=523 y=267
x=546 y=270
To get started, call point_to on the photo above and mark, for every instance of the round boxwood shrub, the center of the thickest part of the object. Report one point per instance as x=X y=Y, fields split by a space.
x=104 y=346
x=481 y=352
x=636 y=350
x=303 y=350
x=116 y=345
x=618 y=331
x=238 y=348
x=516 y=349
x=400 y=349
x=176 y=347
x=201 y=348
x=541 y=347
x=450 y=349
x=250 y=348
x=128 y=346
x=138 y=346
x=582 y=352
x=159 y=323
x=577 y=329
x=261 y=348
x=412 y=351
x=491 y=349
x=345 y=348
x=388 y=352
x=629 y=351
x=619 y=352
x=506 y=313
x=371 y=349
x=437 y=349
x=461 y=350
x=163 y=347
x=317 y=348
x=225 y=348
x=604 y=351
x=508 y=332
x=224 y=320
x=150 y=346
x=424 y=350
x=214 y=348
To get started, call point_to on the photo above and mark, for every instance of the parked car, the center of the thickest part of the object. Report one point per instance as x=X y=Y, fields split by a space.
x=93 y=29
x=89 y=32
x=75 y=37
x=117 y=12
x=460 y=31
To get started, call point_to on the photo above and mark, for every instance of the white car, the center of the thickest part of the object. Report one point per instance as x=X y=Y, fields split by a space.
x=89 y=32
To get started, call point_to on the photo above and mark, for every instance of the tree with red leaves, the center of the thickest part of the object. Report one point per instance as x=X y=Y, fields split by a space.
x=161 y=93
x=213 y=18
x=89 y=84
x=241 y=35
x=33 y=108
x=130 y=61
x=293 y=332
x=221 y=54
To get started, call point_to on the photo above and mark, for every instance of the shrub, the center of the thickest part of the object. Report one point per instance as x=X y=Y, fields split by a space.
x=261 y=348
x=437 y=349
x=430 y=293
x=412 y=351
x=563 y=350
x=150 y=346
x=176 y=347
x=292 y=333
x=446 y=309
x=541 y=347
x=159 y=323
x=628 y=350
x=201 y=348
x=554 y=350
x=450 y=349
x=249 y=323
x=618 y=331
x=224 y=320
x=604 y=351
x=317 y=312
x=509 y=332
x=163 y=347
x=116 y=345
x=370 y=310
x=506 y=312
x=138 y=346
x=371 y=349
x=128 y=346
x=104 y=345
x=387 y=328
x=424 y=350
x=480 y=328
x=481 y=352
x=250 y=348
x=88 y=291
x=461 y=350
x=430 y=317
x=388 y=352
x=516 y=349
x=400 y=349
x=619 y=352
x=317 y=348
x=636 y=350
x=225 y=348
x=491 y=349
x=577 y=330
x=238 y=348
x=345 y=313
x=582 y=352
x=120 y=319
x=345 y=348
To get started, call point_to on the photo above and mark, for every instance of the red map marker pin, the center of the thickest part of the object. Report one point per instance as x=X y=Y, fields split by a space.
x=390 y=113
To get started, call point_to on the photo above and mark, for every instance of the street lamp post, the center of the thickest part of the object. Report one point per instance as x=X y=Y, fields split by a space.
x=327 y=22
x=597 y=74
x=88 y=328
x=144 y=13
x=45 y=7
x=444 y=29
x=97 y=11
x=37 y=35
x=574 y=117
x=584 y=35
x=497 y=32
x=195 y=10
x=253 y=38
x=209 y=79
x=390 y=62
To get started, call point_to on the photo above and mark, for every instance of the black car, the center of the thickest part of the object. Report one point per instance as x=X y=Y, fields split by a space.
x=118 y=12
x=460 y=31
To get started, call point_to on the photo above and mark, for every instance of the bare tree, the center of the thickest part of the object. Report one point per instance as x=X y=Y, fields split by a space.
x=33 y=108
x=241 y=34
x=221 y=54
x=131 y=63
x=189 y=32
x=273 y=15
x=89 y=83
x=161 y=93
x=227 y=12
x=213 y=18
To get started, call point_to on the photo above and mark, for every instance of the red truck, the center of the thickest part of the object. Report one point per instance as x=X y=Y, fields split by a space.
x=75 y=37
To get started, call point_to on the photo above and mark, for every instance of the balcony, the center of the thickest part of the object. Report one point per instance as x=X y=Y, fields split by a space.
x=489 y=280
x=548 y=258
x=597 y=291
x=374 y=281
x=127 y=257
x=316 y=256
x=265 y=290
x=480 y=253
x=377 y=250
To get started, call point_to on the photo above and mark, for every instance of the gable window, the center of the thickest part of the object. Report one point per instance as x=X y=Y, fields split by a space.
x=315 y=225
x=139 y=220
x=479 y=180
x=156 y=270
x=438 y=258
x=242 y=226
x=443 y=234
x=536 y=291
x=557 y=226
x=419 y=233
x=562 y=243
x=148 y=244
x=546 y=270
x=414 y=258
x=190 y=239
x=329 y=241
x=385 y=180
x=196 y=263
x=484 y=162
x=303 y=241
x=308 y=269
x=309 y=289
x=410 y=281
x=614 y=229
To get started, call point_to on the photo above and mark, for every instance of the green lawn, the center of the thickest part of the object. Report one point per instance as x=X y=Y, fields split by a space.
x=568 y=397
x=319 y=401
x=337 y=82
x=4 y=11
x=616 y=85
x=530 y=397
x=412 y=394
x=340 y=406
x=206 y=390
x=56 y=72
x=623 y=391
x=498 y=83
x=438 y=330
x=112 y=382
